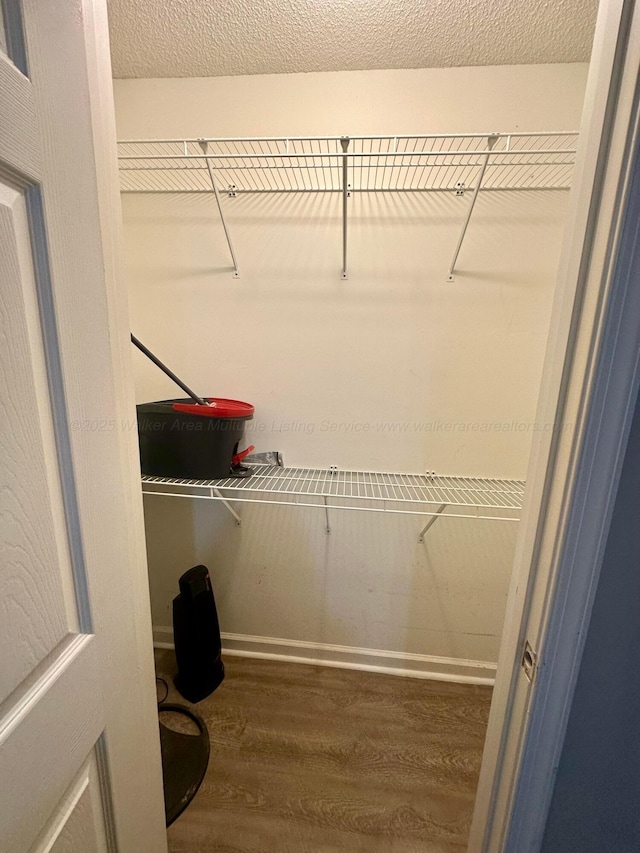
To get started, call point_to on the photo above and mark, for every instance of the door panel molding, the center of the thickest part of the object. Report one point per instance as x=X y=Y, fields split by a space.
x=18 y=704
x=57 y=398
x=41 y=749
x=77 y=825
x=19 y=128
x=33 y=574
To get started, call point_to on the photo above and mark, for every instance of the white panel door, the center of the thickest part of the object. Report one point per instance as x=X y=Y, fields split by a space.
x=79 y=752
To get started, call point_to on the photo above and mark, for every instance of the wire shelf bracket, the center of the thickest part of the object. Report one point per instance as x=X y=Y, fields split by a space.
x=228 y=506
x=491 y=141
x=431 y=522
x=426 y=495
x=344 y=143
x=205 y=148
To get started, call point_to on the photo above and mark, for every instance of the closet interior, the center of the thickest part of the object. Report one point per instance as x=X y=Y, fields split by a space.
x=405 y=393
x=368 y=258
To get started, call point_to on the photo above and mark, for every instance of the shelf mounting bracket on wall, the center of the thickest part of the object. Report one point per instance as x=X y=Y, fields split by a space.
x=431 y=521
x=344 y=142
x=491 y=141
x=327 y=528
x=228 y=506
x=205 y=147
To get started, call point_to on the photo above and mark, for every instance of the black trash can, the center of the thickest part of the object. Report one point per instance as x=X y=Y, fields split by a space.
x=183 y=440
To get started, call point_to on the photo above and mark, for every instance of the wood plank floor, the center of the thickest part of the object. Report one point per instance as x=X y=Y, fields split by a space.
x=311 y=759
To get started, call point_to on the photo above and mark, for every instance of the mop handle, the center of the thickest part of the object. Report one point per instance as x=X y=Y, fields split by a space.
x=166 y=370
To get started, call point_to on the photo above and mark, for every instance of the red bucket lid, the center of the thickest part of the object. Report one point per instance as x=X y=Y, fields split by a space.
x=220 y=408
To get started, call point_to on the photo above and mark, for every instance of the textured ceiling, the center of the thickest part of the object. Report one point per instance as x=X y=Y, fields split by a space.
x=212 y=38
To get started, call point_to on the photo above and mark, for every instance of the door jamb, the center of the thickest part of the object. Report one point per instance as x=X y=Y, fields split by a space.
x=591 y=361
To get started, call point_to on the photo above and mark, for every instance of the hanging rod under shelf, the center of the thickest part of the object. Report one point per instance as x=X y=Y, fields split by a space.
x=405 y=494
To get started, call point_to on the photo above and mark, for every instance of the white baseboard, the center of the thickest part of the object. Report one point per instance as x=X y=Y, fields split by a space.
x=348 y=657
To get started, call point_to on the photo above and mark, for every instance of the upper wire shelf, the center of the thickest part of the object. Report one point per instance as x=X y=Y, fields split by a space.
x=416 y=163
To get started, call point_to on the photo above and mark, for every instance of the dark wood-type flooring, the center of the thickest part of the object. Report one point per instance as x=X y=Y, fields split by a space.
x=309 y=759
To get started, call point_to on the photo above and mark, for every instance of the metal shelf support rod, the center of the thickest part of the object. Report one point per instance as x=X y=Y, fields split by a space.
x=344 y=142
x=491 y=141
x=431 y=521
x=236 y=272
x=327 y=529
x=228 y=506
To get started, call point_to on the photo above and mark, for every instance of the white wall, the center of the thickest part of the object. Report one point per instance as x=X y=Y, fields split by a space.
x=431 y=100
x=414 y=372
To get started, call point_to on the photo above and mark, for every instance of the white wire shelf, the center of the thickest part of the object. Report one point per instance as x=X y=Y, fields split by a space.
x=408 y=494
x=416 y=163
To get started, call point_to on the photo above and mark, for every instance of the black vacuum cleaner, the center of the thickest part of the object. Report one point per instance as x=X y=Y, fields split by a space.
x=196 y=635
x=185 y=757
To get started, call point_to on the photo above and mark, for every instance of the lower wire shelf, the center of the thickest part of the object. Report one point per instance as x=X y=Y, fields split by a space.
x=428 y=495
